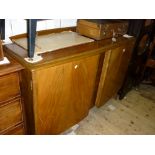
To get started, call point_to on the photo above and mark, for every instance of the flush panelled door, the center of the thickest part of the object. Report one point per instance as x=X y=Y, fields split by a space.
x=114 y=68
x=63 y=94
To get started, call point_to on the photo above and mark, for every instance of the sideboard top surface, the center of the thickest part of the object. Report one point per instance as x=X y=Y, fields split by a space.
x=58 y=56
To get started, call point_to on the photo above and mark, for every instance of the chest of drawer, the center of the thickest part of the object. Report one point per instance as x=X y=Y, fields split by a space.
x=10 y=114
x=9 y=86
x=17 y=130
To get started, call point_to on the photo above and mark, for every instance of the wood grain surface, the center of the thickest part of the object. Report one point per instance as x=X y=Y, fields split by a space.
x=59 y=90
x=114 y=68
x=10 y=115
x=63 y=94
x=9 y=86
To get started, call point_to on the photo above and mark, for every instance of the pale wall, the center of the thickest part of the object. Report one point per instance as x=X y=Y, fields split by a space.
x=18 y=26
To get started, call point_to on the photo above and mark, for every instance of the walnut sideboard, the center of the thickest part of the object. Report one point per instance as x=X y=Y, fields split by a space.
x=59 y=90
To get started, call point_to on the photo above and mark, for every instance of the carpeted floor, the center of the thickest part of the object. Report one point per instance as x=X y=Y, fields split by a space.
x=135 y=114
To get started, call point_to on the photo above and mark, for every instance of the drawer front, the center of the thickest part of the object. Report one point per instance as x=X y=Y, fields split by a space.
x=10 y=115
x=18 y=130
x=9 y=86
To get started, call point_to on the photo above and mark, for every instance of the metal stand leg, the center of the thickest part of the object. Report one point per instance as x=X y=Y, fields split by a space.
x=31 y=30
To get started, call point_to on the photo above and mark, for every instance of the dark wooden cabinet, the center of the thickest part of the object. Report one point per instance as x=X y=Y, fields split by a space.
x=11 y=107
